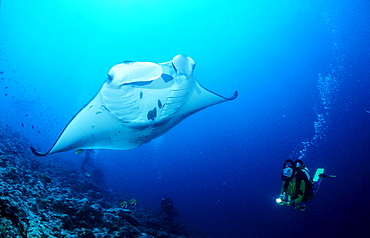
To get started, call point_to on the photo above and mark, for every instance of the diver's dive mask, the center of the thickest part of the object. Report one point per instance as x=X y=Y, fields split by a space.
x=287 y=170
x=287 y=174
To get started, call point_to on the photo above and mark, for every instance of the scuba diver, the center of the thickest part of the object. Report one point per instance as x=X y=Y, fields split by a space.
x=298 y=186
x=168 y=208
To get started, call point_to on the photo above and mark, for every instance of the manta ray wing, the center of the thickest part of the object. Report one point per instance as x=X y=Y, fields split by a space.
x=202 y=98
x=92 y=127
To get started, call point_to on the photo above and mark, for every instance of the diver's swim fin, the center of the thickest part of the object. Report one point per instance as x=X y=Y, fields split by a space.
x=319 y=171
x=327 y=176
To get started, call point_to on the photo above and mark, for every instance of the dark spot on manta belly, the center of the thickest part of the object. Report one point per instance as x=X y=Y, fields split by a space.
x=152 y=114
x=159 y=104
x=166 y=77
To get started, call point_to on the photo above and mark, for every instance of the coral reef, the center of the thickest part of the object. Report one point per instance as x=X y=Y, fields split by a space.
x=41 y=198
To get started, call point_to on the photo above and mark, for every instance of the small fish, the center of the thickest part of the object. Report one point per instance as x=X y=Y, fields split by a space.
x=22 y=124
x=133 y=202
x=87 y=174
x=123 y=204
x=79 y=151
x=33 y=127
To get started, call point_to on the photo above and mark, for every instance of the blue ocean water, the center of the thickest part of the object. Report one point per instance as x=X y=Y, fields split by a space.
x=302 y=69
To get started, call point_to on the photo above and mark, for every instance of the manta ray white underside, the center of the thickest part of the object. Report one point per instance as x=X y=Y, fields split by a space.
x=139 y=102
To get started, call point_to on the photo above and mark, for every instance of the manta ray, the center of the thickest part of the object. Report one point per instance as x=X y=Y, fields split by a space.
x=139 y=102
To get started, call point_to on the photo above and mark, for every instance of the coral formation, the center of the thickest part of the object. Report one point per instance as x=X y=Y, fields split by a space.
x=41 y=198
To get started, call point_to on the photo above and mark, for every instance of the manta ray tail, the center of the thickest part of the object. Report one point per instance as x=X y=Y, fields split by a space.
x=235 y=95
x=38 y=153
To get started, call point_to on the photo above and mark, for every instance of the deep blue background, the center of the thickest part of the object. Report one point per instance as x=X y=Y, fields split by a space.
x=221 y=166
